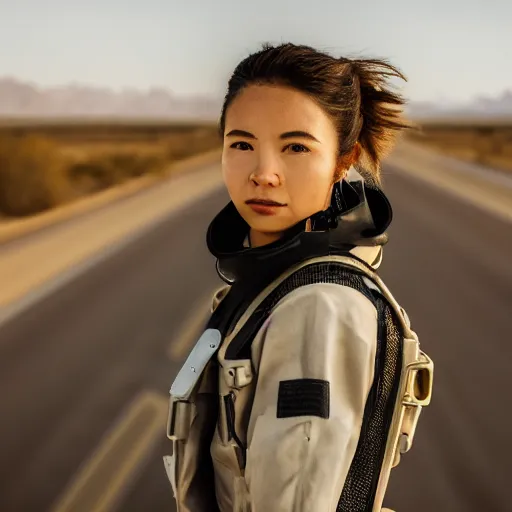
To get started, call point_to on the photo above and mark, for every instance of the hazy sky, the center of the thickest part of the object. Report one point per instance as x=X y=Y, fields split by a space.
x=449 y=49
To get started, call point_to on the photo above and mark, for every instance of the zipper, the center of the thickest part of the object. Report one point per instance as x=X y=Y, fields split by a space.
x=229 y=404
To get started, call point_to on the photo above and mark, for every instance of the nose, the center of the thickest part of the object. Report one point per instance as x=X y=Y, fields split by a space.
x=266 y=176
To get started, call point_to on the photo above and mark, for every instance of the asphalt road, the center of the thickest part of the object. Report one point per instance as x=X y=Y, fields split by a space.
x=70 y=365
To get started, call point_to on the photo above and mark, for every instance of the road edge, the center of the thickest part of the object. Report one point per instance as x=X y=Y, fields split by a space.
x=66 y=276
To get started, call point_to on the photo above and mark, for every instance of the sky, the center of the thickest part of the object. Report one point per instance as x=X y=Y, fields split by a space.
x=450 y=50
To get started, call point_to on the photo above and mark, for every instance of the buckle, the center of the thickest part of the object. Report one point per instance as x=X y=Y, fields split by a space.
x=219 y=296
x=418 y=394
x=178 y=419
x=238 y=376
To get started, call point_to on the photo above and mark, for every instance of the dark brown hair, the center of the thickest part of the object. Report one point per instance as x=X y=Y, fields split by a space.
x=354 y=93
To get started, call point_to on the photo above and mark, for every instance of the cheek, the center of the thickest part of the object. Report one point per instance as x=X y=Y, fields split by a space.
x=309 y=186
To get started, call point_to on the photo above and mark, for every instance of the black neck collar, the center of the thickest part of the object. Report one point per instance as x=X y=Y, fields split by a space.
x=359 y=214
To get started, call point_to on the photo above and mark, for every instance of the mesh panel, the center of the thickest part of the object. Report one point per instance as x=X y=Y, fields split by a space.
x=361 y=482
x=325 y=272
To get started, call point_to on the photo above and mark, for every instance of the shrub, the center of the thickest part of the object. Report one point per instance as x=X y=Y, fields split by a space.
x=32 y=175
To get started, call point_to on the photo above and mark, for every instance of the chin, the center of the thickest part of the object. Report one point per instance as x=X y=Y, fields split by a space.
x=268 y=225
x=265 y=223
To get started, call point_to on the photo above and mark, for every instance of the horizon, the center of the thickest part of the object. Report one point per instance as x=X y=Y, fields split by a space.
x=505 y=93
x=448 y=50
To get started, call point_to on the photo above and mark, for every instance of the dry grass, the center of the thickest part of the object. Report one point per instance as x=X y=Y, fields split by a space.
x=38 y=173
x=33 y=176
x=489 y=146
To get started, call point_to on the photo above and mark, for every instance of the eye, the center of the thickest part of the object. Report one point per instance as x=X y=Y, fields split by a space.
x=242 y=146
x=297 y=148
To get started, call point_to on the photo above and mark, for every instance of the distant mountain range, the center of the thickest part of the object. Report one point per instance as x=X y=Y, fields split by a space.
x=482 y=106
x=23 y=99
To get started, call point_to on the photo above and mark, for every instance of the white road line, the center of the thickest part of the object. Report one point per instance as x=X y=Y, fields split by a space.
x=102 y=480
x=191 y=330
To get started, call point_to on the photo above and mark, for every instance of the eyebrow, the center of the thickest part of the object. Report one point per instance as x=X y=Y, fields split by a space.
x=287 y=135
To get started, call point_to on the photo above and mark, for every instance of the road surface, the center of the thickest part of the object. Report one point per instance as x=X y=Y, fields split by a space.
x=72 y=365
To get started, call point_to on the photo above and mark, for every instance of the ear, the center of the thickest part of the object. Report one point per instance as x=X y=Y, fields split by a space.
x=347 y=161
x=353 y=157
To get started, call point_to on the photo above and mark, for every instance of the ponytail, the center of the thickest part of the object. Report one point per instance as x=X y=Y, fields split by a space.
x=381 y=110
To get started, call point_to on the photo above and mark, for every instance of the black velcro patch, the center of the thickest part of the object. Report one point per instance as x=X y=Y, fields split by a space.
x=303 y=397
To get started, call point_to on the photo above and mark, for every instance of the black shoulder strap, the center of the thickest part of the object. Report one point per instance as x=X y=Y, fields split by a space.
x=254 y=315
x=319 y=270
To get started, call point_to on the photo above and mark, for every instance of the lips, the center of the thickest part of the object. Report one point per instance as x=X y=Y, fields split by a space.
x=265 y=207
x=264 y=202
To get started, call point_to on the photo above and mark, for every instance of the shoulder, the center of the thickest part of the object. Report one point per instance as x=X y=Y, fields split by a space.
x=324 y=313
x=327 y=299
x=320 y=325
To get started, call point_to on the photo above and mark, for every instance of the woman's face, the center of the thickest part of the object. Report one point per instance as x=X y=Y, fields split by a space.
x=279 y=146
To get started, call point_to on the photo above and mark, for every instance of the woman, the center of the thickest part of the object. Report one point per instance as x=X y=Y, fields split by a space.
x=292 y=398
